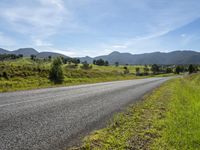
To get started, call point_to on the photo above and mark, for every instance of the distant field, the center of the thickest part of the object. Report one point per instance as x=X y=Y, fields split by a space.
x=166 y=119
x=23 y=74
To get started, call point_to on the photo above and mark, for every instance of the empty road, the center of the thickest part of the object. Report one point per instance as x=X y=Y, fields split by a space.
x=50 y=119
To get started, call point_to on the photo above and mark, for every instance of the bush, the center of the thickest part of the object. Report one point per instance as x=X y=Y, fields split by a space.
x=137 y=70
x=146 y=70
x=5 y=75
x=100 y=62
x=116 y=64
x=86 y=66
x=177 y=70
x=191 y=69
x=169 y=70
x=72 y=66
x=56 y=72
x=126 y=70
x=155 y=69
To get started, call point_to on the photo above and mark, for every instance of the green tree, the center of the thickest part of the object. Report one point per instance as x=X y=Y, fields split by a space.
x=76 y=61
x=126 y=70
x=169 y=70
x=101 y=62
x=178 y=69
x=191 y=69
x=49 y=58
x=106 y=63
x=94 y=62
x=137 y=70
x=56 y=72
x=86 y=66
x=146 y=70
x=116 y=64
x=33 y=57
x=5 y=75
x=155 y=69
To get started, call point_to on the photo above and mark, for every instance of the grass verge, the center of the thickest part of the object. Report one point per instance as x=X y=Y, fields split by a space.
x=36 y=82
x=25 y=74
x=168 y=118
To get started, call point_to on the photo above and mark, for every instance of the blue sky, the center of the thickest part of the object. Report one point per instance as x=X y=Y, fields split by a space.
x=97 y=27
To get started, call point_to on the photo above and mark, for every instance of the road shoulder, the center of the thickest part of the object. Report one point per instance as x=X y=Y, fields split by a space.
x=134 y=128
x=168 y=118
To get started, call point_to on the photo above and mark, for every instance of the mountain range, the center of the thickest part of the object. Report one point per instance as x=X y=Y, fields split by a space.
x=174 y=57
x=27 y=52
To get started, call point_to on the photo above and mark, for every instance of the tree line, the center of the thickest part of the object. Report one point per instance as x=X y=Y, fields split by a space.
x=101 y=62
x=4 y=57
x=164 y=69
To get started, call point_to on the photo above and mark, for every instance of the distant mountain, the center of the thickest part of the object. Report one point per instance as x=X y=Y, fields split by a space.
x=175 y=57
x=27 y=52
x=3 y=51
x=47 y=54
x=24 y=51
x=122 y=58
x=87 y=58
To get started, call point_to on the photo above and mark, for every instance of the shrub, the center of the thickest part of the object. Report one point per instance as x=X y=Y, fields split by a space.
x=126 y=70
x=116 y=64
x=72 y=66
x=5 y=75
x=100 y=62
x=56 y=72
x=155 y=69
x=191 y=69
x=146 y=70
x=169 y=70
x=137 y=69
x=33 y=57
x=177 y=70
x=86 y=66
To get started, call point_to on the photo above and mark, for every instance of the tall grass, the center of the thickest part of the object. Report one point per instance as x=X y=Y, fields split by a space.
x=182 y=123
x=24 y=73
x=167 y=119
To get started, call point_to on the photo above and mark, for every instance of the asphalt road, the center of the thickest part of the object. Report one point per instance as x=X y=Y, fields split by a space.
x=55 y=118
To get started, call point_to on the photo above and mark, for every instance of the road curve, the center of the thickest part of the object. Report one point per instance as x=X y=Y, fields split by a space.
x=54 y=118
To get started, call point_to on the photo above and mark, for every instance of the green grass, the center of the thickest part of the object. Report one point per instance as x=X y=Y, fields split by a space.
x=120 y=68
x=166 y=119
x=182 y=127
x=35 y=82
x=25 y=74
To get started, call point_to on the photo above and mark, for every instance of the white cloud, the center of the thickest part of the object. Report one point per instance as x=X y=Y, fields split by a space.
x=41 y=19
x=156 y=22
x=119 y=46
x=69 y=53
x=39 y=42
x=81 y=53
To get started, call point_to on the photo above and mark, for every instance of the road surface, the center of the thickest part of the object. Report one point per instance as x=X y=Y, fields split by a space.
x=56 y=117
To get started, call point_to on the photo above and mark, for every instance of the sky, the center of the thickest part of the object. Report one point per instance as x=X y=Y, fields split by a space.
x=97 y=27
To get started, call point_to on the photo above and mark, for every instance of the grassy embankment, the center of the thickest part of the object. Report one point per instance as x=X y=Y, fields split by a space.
x=166 y=119
x=23 y=74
